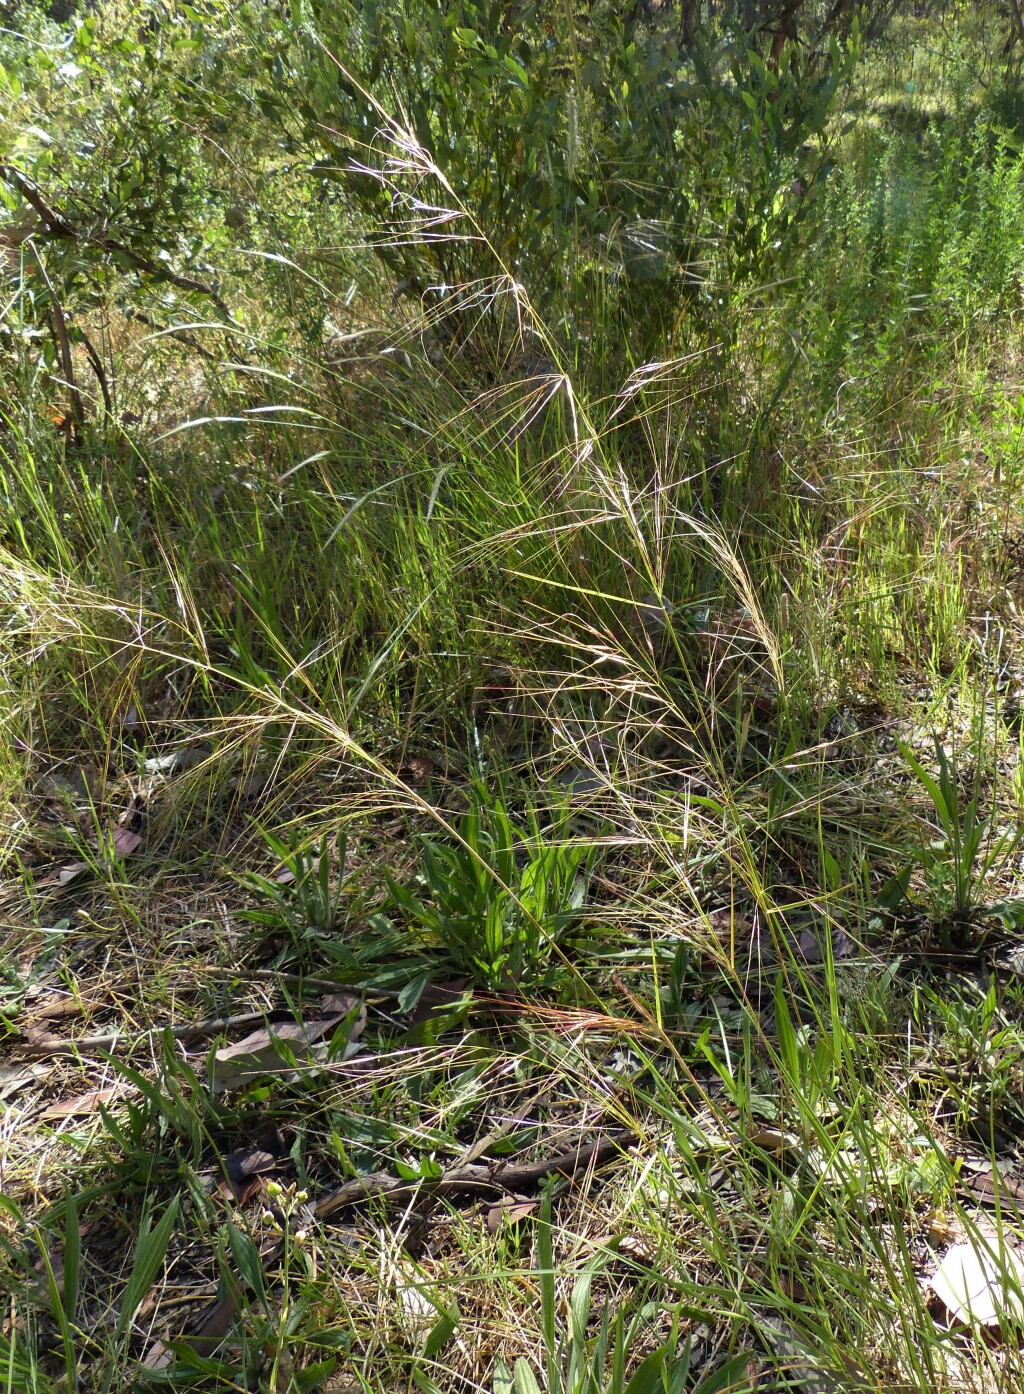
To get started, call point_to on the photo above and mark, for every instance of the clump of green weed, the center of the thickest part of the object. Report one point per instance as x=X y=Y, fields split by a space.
x=502 y=896
x=304 y=897
x=959 y=862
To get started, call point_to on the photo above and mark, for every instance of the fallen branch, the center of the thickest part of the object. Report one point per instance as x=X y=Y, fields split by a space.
x=502 y=1178
x=55 y=224
x=181 y=334
x=1016 y=34
x=45 y=1044
x=96 y=363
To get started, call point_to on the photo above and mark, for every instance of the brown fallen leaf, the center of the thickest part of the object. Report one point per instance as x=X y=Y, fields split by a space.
x=71 y=871
x=17 y=1075
x=244 y=1162
x=509 y=1211
x=216 y=1326
x=83 y=1103
x=56 y=1007
x=980 y=1283
x=39 y=1038
x=204 y=1341
x=244 y=1173
x=257 y=1054
x=438 y=995
x=241 y=1192
x=991 y=1188
x=340 y=1004
x=123 y=842
x=774 y=1140
x=810 y=945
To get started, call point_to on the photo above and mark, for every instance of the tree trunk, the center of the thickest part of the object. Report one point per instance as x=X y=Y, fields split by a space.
x=785 y=32
x=1016 y=34
x=689 y=20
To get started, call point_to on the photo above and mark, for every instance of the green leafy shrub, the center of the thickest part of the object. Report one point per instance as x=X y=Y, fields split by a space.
x=104 y=191
x=611 y=175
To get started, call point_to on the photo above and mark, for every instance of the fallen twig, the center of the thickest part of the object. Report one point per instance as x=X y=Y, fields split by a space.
x=500 y=1177
x=51 y=1045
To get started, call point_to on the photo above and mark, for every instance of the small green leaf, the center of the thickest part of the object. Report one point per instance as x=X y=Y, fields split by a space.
x=895 y=890
x=72 y=1258
x=789 y=1046
x=648 y=1377
x=731 y=1378
x=245 y=1257
x=413 y=991
x=441 y=1332
x=1009 y=913
x=150 y=1248
x=525 y=1381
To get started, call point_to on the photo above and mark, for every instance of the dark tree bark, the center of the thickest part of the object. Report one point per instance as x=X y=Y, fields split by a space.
x=785 y=32
x=1016 y=34
x=689 y=19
